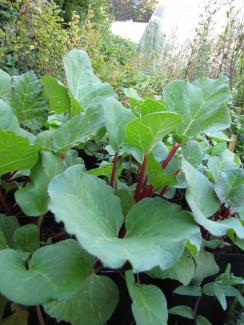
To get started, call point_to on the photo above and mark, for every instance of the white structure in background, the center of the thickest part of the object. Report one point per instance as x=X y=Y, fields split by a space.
x=178 y=17
x=129 y=30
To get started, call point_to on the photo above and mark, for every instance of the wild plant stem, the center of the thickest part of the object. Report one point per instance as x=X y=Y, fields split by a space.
x=116 y=157
x=39 y=315
x=141 y=179
x=170 y=155
x=4 y=204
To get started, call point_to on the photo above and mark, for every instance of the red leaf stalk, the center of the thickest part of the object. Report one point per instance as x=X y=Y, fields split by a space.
x=170 y=155
x=116 y=157
x=141 y=180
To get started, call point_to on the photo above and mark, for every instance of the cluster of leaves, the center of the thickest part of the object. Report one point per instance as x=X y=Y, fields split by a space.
x=119 y=215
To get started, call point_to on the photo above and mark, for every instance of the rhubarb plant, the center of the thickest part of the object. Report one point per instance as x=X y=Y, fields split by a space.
x=167 y=194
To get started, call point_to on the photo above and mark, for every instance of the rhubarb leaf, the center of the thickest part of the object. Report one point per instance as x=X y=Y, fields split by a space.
x=55 y=271
x=149 y=305
x=16 y=152
x=97 y=218
x=144 y=132
x=201 y=103
x=230 y=187
x=33 y=198
x=93 y=304
x=116 y=119
x=57 y=95
x=28 y=102
x=85 y=87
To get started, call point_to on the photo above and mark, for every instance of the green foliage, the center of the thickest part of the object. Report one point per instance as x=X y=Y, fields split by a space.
x=148 y=205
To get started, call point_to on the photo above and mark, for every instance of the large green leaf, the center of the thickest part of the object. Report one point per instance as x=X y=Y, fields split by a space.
x=149 y=305
x=116 y=119
x=201 y=103
x=157 y=231
x=85 y=87
x=230 y=187
x=53 y=272
x=93 y=304
x=5 y=84
x=57 y=95
x=144 y=132
x=74 y=131
x=182 y=271
x=27 y=101
x=16 y=152
x=33 y=198
x=203 y=202
x=8 y=121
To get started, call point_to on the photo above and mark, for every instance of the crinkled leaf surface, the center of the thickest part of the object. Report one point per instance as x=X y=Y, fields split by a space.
x=55 y=272
x=33 y=198
x=182 y=271
x=16 y=152
x=26 y=238
x=97 y=218
x=85 y=87
x=149 y=305
x=201 y=103
x=74 y=131
x=116 y=119
x=93 y=304
x=230 y=187
x=203 y=201
x=5 y=83
x=144 y=132
x=57 y=95
x=27 y=101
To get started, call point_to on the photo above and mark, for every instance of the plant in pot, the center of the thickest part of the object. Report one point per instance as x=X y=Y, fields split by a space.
x=143 y=227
